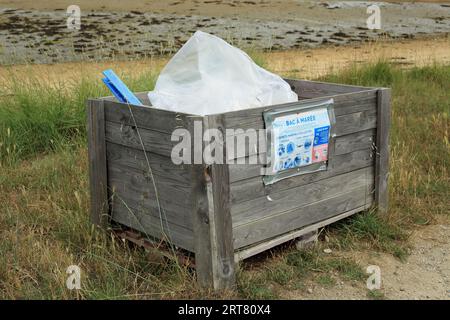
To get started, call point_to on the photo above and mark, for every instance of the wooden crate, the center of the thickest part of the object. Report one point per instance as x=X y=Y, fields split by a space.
x=224 y=213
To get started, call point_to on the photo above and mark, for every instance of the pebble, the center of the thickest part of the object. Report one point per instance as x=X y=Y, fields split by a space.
x=327 y=250
x=310 y=291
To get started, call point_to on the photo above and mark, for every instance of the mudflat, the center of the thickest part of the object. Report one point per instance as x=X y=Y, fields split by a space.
x=36 y=31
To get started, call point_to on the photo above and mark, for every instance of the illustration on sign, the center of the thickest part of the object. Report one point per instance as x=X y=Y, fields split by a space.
x=300 y=139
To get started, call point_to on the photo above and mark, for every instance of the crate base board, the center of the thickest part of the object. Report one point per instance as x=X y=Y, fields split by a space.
x=261 y=247
x=159 y=249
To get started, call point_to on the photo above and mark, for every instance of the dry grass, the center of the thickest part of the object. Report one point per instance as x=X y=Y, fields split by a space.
x=44 y=223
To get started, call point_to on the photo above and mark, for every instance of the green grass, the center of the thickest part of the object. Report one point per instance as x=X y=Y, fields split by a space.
x=37 y=118
x=44 y=224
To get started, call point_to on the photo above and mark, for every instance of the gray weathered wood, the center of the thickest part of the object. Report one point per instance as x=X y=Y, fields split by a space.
x=127 y=135
x=359 y=159
x=254 y=249
x=147 y=117
x=382 y=150
x=343 y=144
x=313 y=89
x=161 y=166
x=343 y=104
x=135 y=188
x=251 y=188
x=212 y=221
x=259 y=230
x=276 y=201
x=139 y=219
x=98 y=181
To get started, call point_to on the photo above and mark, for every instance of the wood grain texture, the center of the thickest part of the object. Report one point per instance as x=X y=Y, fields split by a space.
x=358 y=159
x=314 y=89
x=147 y=117
x=128 y=135
x=152 y=227
x=121 y=155
x=244 y=190
x=212 y=221
x=283 y=222
x=254 y=249
x=98 y=180
x=276 y=201
x=343 y=104
x=382 y=150
x=135 y=188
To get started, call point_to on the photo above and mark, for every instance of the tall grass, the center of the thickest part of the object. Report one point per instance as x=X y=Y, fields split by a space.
x=44 y=225
x=37 y=117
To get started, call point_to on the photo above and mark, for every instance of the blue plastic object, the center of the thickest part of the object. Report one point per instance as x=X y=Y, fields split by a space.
x=119 y=89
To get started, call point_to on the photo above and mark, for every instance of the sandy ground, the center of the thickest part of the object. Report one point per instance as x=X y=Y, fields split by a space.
x=36 y=31
x=425 y=274
x=303 y=63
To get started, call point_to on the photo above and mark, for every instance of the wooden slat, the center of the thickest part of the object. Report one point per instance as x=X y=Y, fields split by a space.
x=251 y=188
x=280 y=201
x=312 y=89
x=382 y=150
x=358 y=159
x=343 y=104
x=135 y=189
x=98 y=180
x=153 y=141
x=160 y=165
x=147 y=117
x=254 y=249
x=274 y=225
x=140 y=220
x=355 y=141
x=218 y=267
x=343 y=143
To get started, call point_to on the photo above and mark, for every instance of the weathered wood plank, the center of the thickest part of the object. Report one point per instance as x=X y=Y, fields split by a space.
x=254 y=249
x=358 y=159
x=252 y=188
x=382 y=150
x=98 y=180
x=284 y=222
x=148 y=117
x=161 y=166
x=135 y=188
x=313 y=89
x=255 y=144
x=201 y=224
x=354 y=142
x=153 y=141
x=276 y=201
x=152 y=227
x=214 y=252
x=343 y=104
x=220 y=221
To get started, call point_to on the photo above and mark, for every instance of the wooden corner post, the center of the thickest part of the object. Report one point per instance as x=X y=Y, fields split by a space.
x=213 y=237
x=98 y=182
x=382 y=149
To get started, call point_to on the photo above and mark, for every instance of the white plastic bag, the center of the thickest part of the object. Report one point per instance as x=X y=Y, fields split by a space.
x=208 y=76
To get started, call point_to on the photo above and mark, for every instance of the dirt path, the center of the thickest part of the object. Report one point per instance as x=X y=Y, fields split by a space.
x=424 y=275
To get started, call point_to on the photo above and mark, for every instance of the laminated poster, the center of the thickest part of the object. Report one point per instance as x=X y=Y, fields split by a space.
x=300 y=139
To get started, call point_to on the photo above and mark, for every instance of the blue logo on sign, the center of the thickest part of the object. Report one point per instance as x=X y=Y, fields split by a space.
x=290 y=147
x=307 y=144
x=281 y=150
